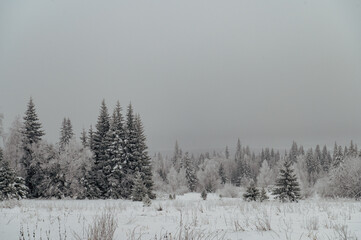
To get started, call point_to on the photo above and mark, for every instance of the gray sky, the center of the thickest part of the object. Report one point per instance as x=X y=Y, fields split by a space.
x=203 y=72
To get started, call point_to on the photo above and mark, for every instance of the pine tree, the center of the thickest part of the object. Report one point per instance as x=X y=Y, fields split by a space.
x=100 y=146
x=251 y=193
x=190 y=173
x=66 y=133
x=139 y=191
x=144 y=159
x=227 y=152
x=116 y=136
x=91 y=138
x=293 y=152
x=287 y=187
x=11 y=187
x=177 y=157
x=263 y=195
x=131 y=155
x=32 y=127
x=83 y=139
x=337 y=156
x=222 y=174
x=32 y=134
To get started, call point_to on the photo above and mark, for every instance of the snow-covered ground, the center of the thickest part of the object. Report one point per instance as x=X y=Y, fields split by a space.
x=188 y=215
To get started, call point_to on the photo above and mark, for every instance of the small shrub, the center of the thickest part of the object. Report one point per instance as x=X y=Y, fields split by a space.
x=146 y=201
x=263 y=196
x=251 y=194
x=204 y=194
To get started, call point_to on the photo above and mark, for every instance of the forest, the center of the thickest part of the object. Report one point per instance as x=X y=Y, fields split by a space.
x=111 y=161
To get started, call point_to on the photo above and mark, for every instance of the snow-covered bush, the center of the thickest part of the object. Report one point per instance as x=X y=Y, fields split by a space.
x=265 y=176
x=228 y=191
x=208 y=178
x=343 y=181
x=177 y=181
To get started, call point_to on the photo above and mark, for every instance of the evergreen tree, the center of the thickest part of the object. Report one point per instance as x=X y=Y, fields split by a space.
x=251 y=193
x=100 y=146
x=144 y=159
x=32 y=127
x=293 y=152
x=177 y=157
x=325 y=163
x=66 y=133
x=91 y=138
x=227 y=152
x=32 y=134
x=11 y=187
x=139 y=190
x=131 y=158
x=83 y=139
x=190 y=173
x=115 y=152
x=287 y=187
x=337 y=156
x=263 y=195
x=222 y=174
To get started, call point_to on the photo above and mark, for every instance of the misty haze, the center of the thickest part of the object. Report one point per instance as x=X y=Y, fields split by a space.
x=180 y=119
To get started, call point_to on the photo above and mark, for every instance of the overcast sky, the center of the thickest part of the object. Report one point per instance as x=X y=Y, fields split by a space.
x=203 y=72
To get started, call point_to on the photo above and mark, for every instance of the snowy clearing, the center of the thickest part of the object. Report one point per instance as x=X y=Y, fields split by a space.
x=188 y=215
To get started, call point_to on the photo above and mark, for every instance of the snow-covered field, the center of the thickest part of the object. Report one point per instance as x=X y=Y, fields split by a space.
x=188 y=215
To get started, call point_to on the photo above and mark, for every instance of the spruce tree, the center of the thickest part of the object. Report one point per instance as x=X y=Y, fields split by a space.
x=11 y=187
x=91 y=138
x=227 y=152
x=190 y=173
x=222 y=174
x=83 y=139
x=145 y=164
x=100 y=146
x=131 y=155
x=139 y=190
x=287 y=187
x=293 y=152
x=263 y=195
x=66 y=133
x=115 y=154
x=251 y=193
x=32 y=133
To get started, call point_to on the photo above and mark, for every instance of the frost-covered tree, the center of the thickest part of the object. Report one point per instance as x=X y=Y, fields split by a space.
x=263 y=195
x=66 y=133
x=144 y=160
x=139 y=190
x=313 y=166
x=11 y=186
x=287 y=186
x=39 y=171
x=177 y=157
x=32 y=133
x=115 y=152
x=100 y=147
x=227 y=152
x=251 y=194
x=265 y=176
x=68 y=172
x=32 y=127
x=91 y=138
x=190 y=172
x=222 y=173
x=83 y=139
x=208 y=178
x=293 y=152
x=345 y=180
x=177 y=181
x=13 y=150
